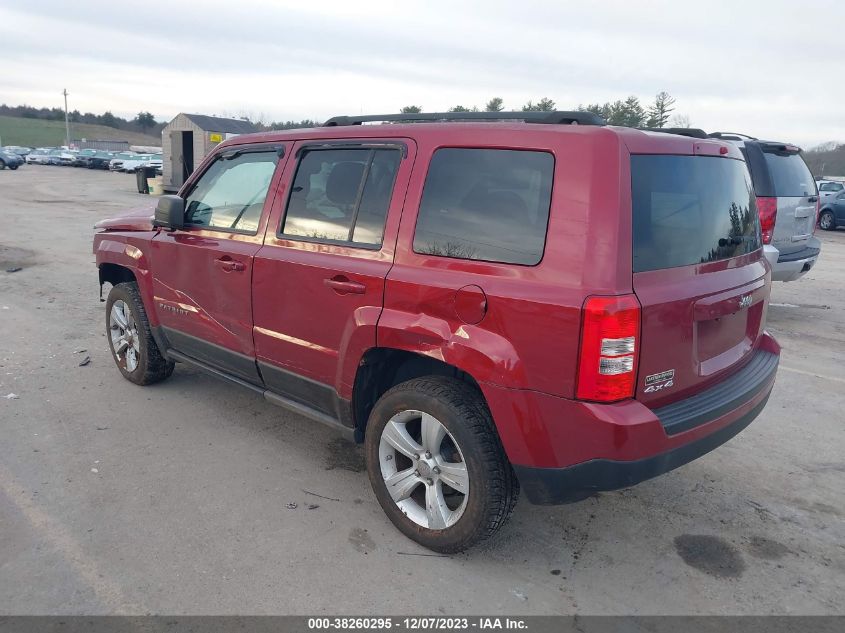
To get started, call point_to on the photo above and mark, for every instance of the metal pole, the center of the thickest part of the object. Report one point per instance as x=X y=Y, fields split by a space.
x=67 y=124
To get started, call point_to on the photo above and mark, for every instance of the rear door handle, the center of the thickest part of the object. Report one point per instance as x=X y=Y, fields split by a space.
x=228 y=265
x=342 y=285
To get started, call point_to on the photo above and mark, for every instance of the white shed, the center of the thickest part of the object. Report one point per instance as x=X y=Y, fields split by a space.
x=187 y=139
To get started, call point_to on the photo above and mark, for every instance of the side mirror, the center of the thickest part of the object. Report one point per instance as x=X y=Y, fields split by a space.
x=170 y=213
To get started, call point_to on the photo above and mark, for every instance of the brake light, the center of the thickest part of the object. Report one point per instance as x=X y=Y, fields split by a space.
x=767 y=208
x=607 y=363
x=818 y=208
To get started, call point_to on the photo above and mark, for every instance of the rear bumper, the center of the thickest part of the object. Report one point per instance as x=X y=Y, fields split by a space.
x=564 y=450
x=792 y=266
x=548 y=486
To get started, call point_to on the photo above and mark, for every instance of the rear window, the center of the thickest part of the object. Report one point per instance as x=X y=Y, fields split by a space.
x=486 y=204
x=790 y=175
x=691 y=210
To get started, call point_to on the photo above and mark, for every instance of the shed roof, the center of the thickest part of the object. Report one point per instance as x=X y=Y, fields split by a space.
x=220 y=124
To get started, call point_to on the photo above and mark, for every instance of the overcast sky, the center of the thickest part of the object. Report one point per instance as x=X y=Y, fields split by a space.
x=773 y=68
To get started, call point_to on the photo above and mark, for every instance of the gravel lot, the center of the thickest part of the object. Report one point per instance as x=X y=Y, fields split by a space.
x=174 y=498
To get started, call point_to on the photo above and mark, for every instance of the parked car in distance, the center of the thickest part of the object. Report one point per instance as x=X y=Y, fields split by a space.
x=54 y=157
x=19 y=150
x=787 y=200
x=100 y=160
x=116 y=163
x=39 y=156
x=9 y=159
x=81 y=157
x=67 y=157
x=829 y=188
x=129 y=165
x=481 y=345
x=832 y=212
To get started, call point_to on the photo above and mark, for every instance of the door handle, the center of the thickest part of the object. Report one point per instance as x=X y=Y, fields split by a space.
x=228 y=265
x=343 y=286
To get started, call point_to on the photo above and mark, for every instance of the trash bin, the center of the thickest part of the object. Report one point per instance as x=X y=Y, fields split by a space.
x=141 y=180
x=141 y=175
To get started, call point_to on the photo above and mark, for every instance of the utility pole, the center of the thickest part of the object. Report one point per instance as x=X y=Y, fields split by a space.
x=67 y=124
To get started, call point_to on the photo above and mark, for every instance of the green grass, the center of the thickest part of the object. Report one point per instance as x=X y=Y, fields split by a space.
x=38 y=133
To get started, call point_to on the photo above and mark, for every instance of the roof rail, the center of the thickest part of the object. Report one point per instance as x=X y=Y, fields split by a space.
x=693 y=132
x=553 y=117
x=731 y=136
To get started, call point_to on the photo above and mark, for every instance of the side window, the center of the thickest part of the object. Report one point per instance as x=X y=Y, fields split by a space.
x=342 y=195
x=230 y=194
x=486 y=204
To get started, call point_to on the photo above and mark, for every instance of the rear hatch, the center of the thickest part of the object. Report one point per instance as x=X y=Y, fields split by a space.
x=793 y=186
x=698 y=272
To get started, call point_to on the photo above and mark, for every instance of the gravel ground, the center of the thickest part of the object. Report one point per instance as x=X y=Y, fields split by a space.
x=173 y=498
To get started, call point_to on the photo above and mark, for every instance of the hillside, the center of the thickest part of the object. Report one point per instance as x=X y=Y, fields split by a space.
x=41 y=133
x=828 y=162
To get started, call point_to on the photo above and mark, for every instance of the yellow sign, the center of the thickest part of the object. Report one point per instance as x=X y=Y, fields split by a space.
x=214 y=137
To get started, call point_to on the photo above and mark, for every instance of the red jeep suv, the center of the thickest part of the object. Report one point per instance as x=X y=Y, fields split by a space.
x=487 y=301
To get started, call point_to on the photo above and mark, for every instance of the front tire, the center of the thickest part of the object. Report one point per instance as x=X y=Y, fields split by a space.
x=436 y=464
x=133 y=347
x=2 y=164
x=826 y=221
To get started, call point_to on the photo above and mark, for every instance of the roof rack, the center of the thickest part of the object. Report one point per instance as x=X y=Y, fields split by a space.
x=693 y=132
x=554 y=117
x=731 y=136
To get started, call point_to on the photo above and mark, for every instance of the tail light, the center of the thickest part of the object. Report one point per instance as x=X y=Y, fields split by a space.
x=818 y=208
x=767 y=208
x=607 y=364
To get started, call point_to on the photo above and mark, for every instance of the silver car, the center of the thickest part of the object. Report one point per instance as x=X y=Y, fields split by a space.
x=829 y=188
x=787 y=200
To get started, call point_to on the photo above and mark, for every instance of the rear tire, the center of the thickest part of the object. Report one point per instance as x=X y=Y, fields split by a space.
x=826 y=221
x=2 y=164
x=133 y=347
x=437 y=466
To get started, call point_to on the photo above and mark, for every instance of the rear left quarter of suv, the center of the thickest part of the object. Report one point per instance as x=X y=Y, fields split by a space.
x=569 y=308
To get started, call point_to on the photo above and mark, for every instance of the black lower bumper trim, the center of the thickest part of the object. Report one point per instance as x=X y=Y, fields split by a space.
x=723 y=397
x=804 y=253
x=549 y=486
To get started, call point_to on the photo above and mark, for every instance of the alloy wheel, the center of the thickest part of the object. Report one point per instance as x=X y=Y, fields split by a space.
x=826 y=221
x=424 y=470
x=123 y=332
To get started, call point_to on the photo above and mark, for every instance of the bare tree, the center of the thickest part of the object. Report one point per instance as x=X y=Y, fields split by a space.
x=680 y=120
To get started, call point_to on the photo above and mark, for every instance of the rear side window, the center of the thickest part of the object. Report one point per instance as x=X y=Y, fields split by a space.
x=790 y=175
x=486 y=204
x=342 y=195
x=691 y=210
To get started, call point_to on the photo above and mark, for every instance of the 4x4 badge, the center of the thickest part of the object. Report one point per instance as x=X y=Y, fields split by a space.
x=745 y=301
x=657 y=382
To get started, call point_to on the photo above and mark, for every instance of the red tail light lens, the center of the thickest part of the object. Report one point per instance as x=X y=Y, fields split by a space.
x=818 y=208
x=767 y=208
x=607 y=364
